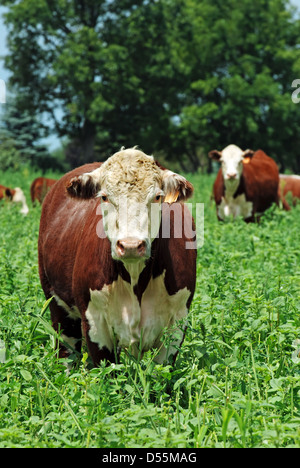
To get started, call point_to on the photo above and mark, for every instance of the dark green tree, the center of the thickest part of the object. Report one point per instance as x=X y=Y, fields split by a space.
x=20 y=135
x=176 y=76
x=241 y=59
x=99 y=69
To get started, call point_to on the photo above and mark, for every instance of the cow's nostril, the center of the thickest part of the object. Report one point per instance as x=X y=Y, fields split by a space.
x=141 y=246
x=120 y=247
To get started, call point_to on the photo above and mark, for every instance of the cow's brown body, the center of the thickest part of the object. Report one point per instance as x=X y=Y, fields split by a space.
x=6 y=192
x=289 y=186
x=40 y=187
x=76 y=267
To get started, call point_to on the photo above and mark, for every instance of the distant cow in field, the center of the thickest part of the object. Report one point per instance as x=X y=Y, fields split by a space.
x=40 y=187
x=289 y=185
x=120 y=264
x=246 y=184
x=15 y=195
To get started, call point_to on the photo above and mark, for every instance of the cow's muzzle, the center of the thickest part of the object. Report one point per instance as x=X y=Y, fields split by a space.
x=131 y=249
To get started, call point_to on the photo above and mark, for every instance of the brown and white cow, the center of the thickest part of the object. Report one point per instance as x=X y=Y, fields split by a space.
x=289 y=185
x=247 y=183
x=15 y=195
x=103 y=257
x=40 y=187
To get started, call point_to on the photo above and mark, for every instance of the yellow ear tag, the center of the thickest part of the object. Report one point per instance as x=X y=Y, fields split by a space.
x=246 y=160
x=171 y=197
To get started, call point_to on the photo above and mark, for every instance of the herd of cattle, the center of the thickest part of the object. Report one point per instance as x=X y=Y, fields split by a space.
x=111 y=273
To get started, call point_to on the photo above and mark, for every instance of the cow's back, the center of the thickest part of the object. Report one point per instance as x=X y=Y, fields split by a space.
x=39 y=188
x=62 y=225
x=289 y=186
x=2 y=191
x=261 y=178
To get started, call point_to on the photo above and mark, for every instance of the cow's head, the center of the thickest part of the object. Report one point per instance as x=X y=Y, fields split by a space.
x=17 y=195
x=9 y=193
x=232 y=159
x=131 y=187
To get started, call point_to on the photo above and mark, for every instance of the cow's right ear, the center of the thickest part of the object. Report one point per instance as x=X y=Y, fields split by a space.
x=215 y=155
x=86 y=185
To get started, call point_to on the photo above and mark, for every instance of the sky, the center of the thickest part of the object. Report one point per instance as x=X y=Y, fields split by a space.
x=4 y=73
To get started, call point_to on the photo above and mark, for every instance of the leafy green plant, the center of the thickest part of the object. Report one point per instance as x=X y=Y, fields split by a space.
x=236 y=379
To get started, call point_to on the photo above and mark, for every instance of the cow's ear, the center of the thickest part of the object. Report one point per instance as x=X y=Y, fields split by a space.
x=9 y=193
x=175 y=187
x=247 y=156
x=248 y=153
x=215 y=155
x=86 y=185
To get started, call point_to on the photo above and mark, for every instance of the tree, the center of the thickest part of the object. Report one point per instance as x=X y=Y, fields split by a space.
x=241 y=58
x=98 y=68
x=176 y=76
x=20 y=135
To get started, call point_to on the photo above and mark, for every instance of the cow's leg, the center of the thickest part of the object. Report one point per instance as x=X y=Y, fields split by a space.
x=98 y=354
x=68 y=326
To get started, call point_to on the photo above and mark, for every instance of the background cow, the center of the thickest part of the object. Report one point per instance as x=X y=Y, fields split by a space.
x=289 y=184
x=112 y=273
x=40 y=187
x=16 y=195
x=246 y=184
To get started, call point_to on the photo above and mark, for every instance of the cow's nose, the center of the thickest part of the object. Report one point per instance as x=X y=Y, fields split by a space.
x=232 y=175
x=131 y=248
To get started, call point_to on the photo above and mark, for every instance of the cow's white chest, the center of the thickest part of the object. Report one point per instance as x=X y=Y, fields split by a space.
x=235 y=207
x=116 y=318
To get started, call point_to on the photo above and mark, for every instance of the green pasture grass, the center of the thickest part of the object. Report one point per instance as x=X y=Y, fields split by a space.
x=236 y=382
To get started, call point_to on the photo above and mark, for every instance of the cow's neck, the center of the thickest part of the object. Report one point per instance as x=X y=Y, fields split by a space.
x=234 y=188
x=138 y=276
x=231 y=187
x=134 y=269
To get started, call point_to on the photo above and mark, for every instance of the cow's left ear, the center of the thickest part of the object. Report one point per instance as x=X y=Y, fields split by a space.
x=247 y=155
x=86 y=185
x=176 y=187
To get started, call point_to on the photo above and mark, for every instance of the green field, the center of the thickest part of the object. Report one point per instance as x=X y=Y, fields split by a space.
x=236 y=382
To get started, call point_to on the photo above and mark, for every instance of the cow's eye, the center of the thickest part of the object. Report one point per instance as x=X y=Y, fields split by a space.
x=157 y=198
x=104 y=198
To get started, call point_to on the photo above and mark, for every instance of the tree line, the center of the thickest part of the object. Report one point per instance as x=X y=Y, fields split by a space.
x=176 y=77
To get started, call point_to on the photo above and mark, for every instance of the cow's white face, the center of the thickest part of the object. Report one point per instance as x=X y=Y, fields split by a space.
x=131 y=194
x=19 y=197
x=232 y=159
x=232 y=162
x=131 y=187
